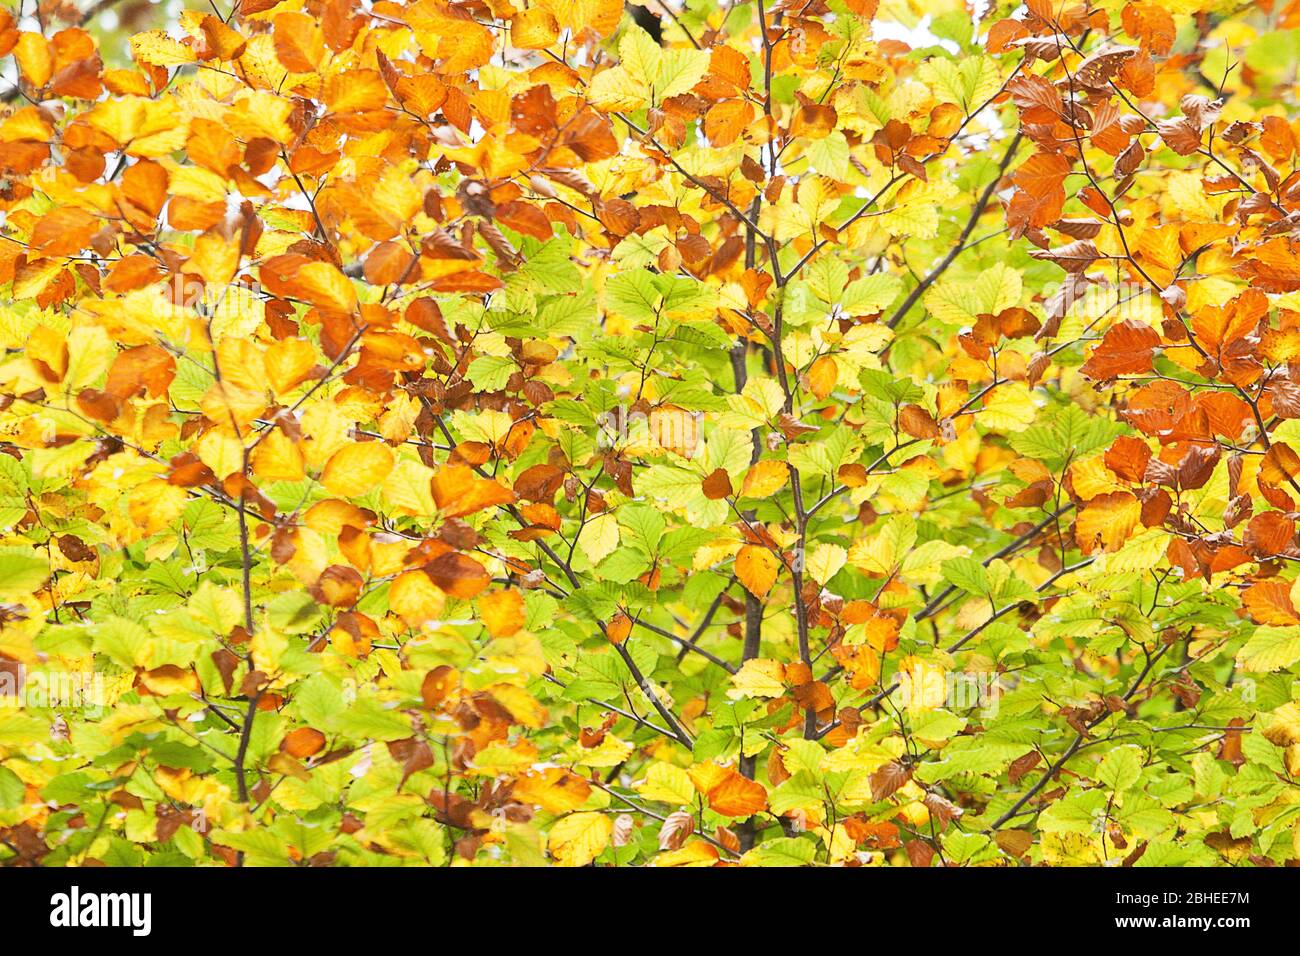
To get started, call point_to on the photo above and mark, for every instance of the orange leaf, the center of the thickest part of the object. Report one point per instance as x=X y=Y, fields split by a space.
x=146 y=368
x=502 y=612
x=1126 y=348
x=355 y=469
x=1269 y=602
x=1150 y=24
x=725 y=121
x=1040 y=195
x=299 y=42
x=619 y=627
x=63 y=232
x=757 y=567
x=1270 y=534
x=1280 y=464
x=458 y=491
x=302 y=742
x=288 y=363
x=469 y=281
x=1128 y=458
x=765 y=478
x=822 y=375
x=1106 y=521
x=727 y=791
x=917 y=422
x=458 y=574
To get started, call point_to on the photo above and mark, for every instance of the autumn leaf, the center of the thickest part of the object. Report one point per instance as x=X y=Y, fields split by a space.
x=757 y=568
x=579 y=838
x=457 y=574
x=1126 y=348
x=1106 y=521
x=458 y=491
x=355 y=469
x=727 y=791
x=764 y=479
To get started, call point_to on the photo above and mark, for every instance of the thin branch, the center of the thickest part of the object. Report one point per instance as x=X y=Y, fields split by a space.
x=1074 y=747
x=960 y=246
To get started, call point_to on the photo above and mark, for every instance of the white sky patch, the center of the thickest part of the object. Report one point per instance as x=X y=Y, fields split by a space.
x=916 y=37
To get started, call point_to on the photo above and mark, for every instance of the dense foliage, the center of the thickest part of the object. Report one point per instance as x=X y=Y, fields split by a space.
x=544 y=431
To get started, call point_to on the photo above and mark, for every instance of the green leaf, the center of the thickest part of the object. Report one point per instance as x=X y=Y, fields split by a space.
x=1271 y=648
x=967 y=574
x=782 y=851
x=22 y=571
x=1121 y=768
x=11 y=789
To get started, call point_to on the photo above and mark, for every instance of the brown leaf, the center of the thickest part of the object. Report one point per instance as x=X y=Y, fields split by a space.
x=717 y=485
x=1022 y=765
x=918 y=422
x=886 y=781
x=1014 y=842
x=675 y=829
x=458 y=574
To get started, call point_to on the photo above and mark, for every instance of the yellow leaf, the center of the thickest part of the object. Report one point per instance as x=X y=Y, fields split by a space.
x=1090 y=477
x=1009 y=408
x=602 y=16
x=214 y=257
x=415 y=598
x=156 y=48
x=502 y=611
x=278 y=458
x=1106 y=521
x=523 y=707
x=667 y=783
x=554 y=789
x=599 y=537
x=35 y=58
x=579 y=838
x=324 y=285
x=355 y=469
x=615 y=90
x=765 y=479
x=825 y=562
x=238 y=313
x=155 y=504
x=884 y=551
x=1283 y=725
x=758 y=677
x=923 y=684
x=610 y=752
x=714 y=552
x=288 y=363
x=90 y=352
x=695 y=853
x=408 y=488
x=220 y=451
x=534 y=29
